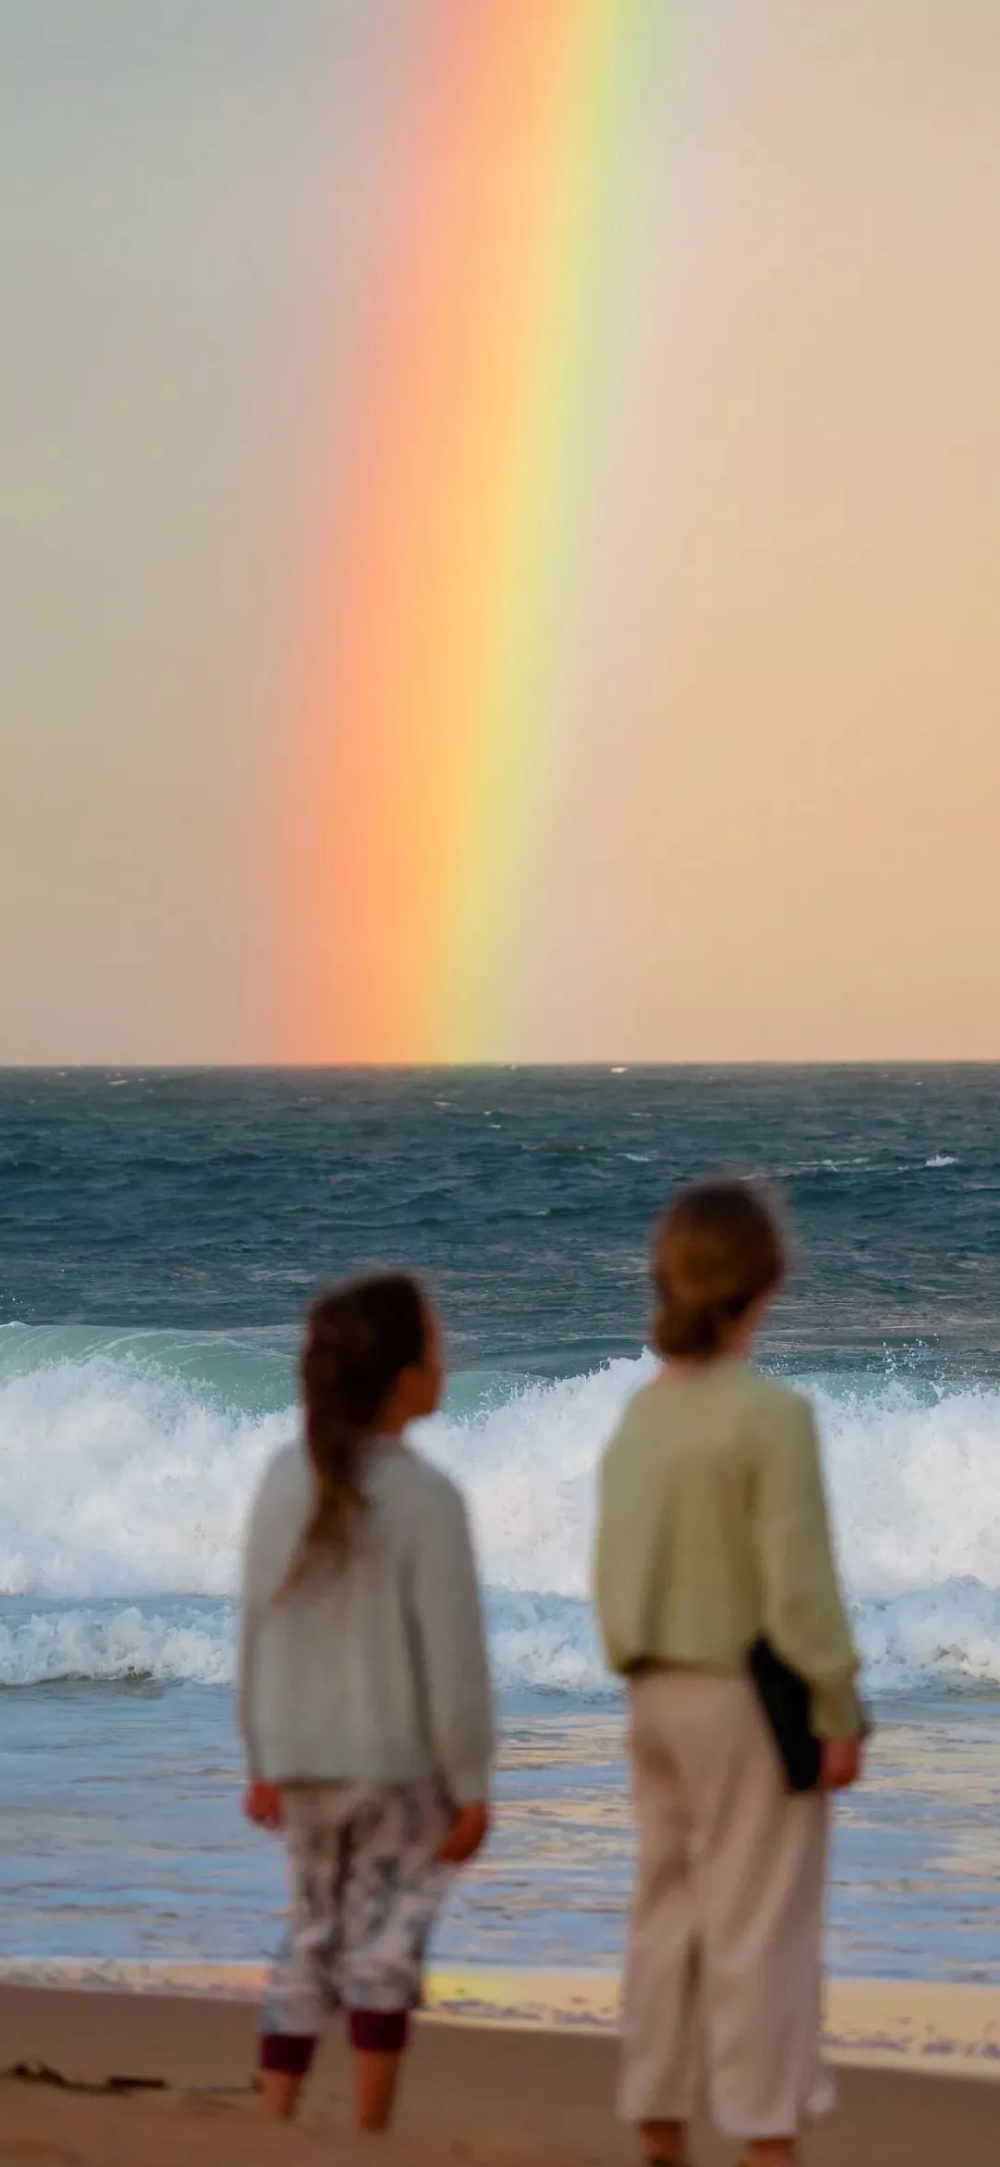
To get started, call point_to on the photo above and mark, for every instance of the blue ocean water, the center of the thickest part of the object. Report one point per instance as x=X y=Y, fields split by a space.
x=159 y=1234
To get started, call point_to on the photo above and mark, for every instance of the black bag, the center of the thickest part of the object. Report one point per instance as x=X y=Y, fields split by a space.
x=784 y=1698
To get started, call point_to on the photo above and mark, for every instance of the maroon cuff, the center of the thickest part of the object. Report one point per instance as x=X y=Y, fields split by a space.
x=289 y=2052
x=378 y=2031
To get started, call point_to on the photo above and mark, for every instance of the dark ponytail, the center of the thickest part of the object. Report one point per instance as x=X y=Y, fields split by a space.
x=359 y=1338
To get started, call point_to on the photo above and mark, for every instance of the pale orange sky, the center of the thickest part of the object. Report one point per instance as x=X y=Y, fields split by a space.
x=814 y=782
x=778 y=838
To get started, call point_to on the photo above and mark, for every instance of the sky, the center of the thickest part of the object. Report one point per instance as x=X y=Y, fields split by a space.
x=768 y=823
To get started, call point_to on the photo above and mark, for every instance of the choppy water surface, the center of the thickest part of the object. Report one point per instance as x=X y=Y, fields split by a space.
x=158 y=1235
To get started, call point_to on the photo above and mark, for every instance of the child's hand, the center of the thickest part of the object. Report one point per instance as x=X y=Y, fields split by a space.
x=469 y=1831
x=262 y=1805
x=842 y=1763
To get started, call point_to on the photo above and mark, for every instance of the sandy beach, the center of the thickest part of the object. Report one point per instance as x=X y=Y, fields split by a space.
x=486 y=2095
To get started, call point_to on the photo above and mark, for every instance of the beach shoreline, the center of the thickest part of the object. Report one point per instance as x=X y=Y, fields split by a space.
x=487 y=2093
x=948 y=2029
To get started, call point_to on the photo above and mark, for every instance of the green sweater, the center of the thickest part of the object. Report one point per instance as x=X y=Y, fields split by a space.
x=713 y=1529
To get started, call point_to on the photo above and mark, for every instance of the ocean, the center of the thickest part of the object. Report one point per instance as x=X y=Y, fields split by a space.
x=159 y=1235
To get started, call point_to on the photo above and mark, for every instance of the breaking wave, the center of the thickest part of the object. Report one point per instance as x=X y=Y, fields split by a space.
x=127 y=1461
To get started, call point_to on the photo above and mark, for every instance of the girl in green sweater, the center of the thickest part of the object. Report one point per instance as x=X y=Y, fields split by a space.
x=714 y=1541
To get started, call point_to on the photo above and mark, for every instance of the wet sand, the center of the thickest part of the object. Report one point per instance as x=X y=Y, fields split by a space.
x=482 y=2094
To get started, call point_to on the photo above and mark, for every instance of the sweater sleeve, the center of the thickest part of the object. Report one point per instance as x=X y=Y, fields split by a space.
x=449 y=1621
x=804 y=1614
x=630 y=1552
x=251 y=1606
x=247 y=1650
x=627 y=1556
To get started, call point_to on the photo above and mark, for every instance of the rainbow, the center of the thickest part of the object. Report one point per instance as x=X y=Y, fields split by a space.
x=464 y=495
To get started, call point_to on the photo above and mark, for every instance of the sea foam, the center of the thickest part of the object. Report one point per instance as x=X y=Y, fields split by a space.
x=124 y=1486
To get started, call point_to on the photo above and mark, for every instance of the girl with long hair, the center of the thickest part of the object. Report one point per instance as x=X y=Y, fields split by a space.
x=364 y=1689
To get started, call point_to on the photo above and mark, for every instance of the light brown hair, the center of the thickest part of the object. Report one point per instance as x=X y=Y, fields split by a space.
x=718 y=1248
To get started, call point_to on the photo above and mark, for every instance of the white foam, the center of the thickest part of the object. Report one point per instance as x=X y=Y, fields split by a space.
x=914 y=1483
x=117 y=1479
x=116 y=1644
x=123 y=1488
x=537 y=1642
x=951 y=1633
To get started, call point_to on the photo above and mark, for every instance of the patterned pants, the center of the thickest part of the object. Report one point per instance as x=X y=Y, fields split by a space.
x=366 y=1887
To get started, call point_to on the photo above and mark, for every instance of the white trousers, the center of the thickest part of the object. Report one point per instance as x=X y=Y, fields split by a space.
x=723 y=1984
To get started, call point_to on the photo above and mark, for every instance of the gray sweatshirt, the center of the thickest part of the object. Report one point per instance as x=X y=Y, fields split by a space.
x=373 y=1666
